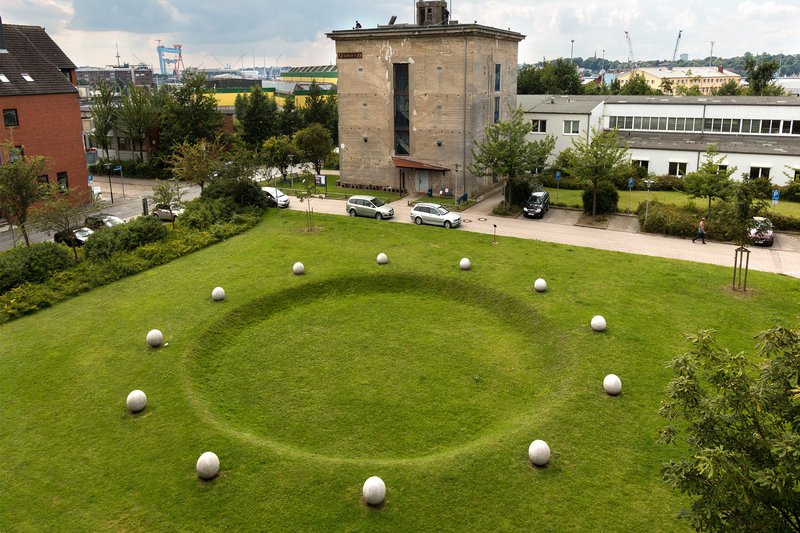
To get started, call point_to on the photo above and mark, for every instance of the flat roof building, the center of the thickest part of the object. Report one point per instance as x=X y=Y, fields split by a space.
x=706 y=79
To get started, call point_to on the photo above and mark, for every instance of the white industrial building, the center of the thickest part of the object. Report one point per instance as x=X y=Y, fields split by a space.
x=760 y=136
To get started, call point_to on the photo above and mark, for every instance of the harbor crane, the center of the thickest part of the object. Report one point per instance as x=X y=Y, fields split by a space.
x=631 y=59
x=675 y=53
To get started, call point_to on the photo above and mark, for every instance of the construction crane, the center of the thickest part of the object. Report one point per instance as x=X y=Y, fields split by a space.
x=631 y=59
x=177 y=62
x=675 y=53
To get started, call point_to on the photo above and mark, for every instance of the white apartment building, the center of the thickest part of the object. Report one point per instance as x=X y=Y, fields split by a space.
x=760 y=136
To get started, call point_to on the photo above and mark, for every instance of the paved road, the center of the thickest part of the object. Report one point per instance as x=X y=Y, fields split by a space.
x=622 y=235
x=558 y=225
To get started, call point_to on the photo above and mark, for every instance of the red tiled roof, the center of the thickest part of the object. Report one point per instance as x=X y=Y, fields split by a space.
x=31 y=51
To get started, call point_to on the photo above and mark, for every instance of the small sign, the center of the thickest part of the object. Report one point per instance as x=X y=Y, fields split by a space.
x=558 y=174
x=118 y=167
x=319 y=179
x=91 y=178
x=349 y=55
x=630 y=183
x=776 y=195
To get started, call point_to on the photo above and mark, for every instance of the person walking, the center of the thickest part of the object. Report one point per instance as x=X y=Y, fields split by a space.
x=701 y=231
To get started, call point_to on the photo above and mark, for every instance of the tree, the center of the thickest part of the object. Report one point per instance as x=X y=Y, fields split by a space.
x=742 y=419
x=279 y=152
x=314 y=143
x=688 y=90
x=197 y=163
x=322 y=109
x=290 y=118
x=729 y=88
x=710 y=180
x=104 y=115
x=506 y=152
x=529 y=80
x=566 y=78
x=169 y=193
x=20 y=187
x=136 y=116
x=759 y=77
x=190 y=114
x=598 y=159
x=260 y=120
x=738 y=212
x=666 y=86
x=637 y=84
x=61 y=210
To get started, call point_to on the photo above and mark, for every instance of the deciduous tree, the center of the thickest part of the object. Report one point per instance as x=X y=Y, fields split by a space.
x=104 y=115
x=136 y=116
x=279 y=152
x=197 y=163
x=190 y=114
x=741 y=414
x=710 y=180
x=20 y=187
x=505 y=150
x=260 y=120
x=597 y=159
x=759 y=77
x=169 y=193
x=61 y=210
x=314 y=143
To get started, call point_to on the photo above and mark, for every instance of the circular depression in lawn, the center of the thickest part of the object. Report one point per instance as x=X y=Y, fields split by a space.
x=373 y=367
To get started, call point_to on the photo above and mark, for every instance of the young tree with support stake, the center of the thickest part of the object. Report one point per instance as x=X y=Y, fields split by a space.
x=709 y=181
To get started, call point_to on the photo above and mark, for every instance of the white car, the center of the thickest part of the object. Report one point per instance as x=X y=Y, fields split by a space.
x=167 y=213
x=274 y=193
x=425 y=213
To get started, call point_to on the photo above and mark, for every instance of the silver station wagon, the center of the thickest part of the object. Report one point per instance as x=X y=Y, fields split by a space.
x=368 y=206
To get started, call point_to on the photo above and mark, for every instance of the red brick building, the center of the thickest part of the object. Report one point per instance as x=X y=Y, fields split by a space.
x=39 y=101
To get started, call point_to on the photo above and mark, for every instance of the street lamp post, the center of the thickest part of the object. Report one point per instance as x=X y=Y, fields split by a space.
x=122 y=179
x=647 y=205
x=291 y=176
x=455 y=184
x=571 y=48
x=110 y=190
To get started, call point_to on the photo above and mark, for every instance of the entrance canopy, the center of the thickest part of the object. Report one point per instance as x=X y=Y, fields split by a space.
x=400 y=162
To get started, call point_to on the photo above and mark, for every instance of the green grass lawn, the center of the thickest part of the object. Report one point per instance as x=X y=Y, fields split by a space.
x=572 y=198
x=433 y=378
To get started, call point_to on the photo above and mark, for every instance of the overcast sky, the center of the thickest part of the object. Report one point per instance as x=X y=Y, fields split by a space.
x=266 y=32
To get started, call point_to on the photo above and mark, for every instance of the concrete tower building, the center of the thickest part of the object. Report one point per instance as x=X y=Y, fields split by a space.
x=414 y=99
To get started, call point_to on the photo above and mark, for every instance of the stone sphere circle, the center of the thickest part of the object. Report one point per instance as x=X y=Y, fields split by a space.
x=540 y=285
x=539 y=452
x=155 y=338
x=598 y=323
x=208 y=465
x=465 y=264
x=137 y=401
x=218 y=294
x=374 y=491
x=382 y=258
x=612 y=384
x=298 y=268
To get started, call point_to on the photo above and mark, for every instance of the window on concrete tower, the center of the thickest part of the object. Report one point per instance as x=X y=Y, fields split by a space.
x=497 y=77
x=402 y=116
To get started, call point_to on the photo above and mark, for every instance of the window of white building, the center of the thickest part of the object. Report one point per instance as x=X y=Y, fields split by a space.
x=677 y=168
x=572 y=127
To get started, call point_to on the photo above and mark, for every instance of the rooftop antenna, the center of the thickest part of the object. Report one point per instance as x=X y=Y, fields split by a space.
x=117 y=45
x=711 y=54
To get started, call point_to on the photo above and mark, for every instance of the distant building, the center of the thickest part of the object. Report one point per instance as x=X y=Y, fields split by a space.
x=415 y=98
x=707 y=79
x=790 y=85
x=668 y=135
x=41 y=113
x=140 y=75
x=684 y=57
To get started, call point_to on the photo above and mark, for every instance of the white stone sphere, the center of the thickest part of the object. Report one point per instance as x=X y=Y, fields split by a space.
x=540 y=285
x=218 y=294
x=208 y=465
x=612 y=384
x=298 y=268
x=155 y=338
x=382 y=258
x=137 y=401
x=598 y=323
x=539 y=452
x=374 y=490
x=465 y=264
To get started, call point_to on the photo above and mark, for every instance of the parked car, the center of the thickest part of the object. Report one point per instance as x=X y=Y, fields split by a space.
x=425 y=213
x=73 y=237
x=102 y=220
x=276 y=197
x=368 y=206
x=537 y=205
x=167 y=212
x=761 y=233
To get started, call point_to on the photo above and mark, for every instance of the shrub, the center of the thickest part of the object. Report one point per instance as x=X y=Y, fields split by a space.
x=202 y=213
x=243 y=192
x=762 y=188
x=791 y=191
x=669 y=219
x=785 y=222
x=142 y=230
x=607 y=198
x=666 y=183
x=34 y=263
